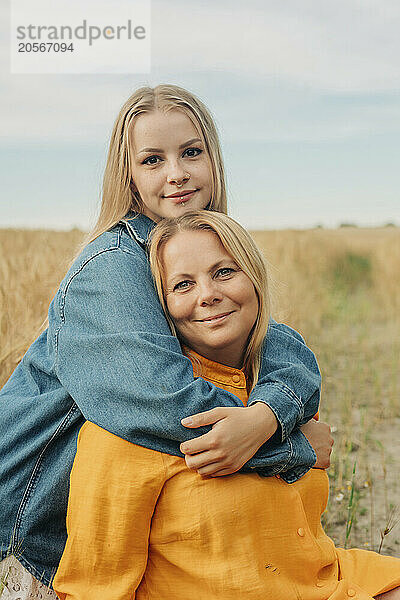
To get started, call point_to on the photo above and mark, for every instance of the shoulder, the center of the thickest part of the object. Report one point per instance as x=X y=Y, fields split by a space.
x=113 y=252
x=283 y=330
x=112 y=267
x=284 y=341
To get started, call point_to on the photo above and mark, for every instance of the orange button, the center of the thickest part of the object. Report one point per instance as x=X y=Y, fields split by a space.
x=235 y=378
x=301 y=532
x=351 y=592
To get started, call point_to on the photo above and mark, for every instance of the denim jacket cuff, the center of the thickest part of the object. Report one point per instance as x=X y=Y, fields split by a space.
x=286 y=406
x=302 y=458
x=270 y=459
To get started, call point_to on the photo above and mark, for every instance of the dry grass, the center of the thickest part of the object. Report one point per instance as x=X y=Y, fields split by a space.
x=32 y=263
x=341 y=289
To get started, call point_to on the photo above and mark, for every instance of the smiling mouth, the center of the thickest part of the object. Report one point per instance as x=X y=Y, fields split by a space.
x=216 y=318
x=182 y=196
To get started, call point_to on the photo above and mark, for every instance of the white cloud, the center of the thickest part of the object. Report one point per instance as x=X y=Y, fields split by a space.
x=336 y=45
x=274 y=59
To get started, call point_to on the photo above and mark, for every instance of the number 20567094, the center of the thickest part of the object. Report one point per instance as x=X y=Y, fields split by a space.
x=45 y=47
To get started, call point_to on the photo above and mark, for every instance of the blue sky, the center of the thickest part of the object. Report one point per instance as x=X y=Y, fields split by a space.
x=306 y=96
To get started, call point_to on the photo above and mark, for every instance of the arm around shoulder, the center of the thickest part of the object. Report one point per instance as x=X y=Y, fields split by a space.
x=116 y=357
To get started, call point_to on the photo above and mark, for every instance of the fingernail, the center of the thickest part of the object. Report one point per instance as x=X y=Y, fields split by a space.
x=187 y=421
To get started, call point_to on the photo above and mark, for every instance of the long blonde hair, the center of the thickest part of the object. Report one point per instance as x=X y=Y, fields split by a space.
x=119 y=195
x=238 y=243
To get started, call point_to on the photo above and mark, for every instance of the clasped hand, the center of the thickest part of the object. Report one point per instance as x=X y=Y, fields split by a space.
x=237 y=434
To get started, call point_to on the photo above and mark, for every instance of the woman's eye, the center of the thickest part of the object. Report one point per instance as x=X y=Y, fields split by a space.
x=224 y=272
x=181 y=286
x=192 y=152
x=151 y=160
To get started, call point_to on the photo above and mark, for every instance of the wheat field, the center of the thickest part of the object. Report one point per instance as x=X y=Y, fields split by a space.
x=341 y=290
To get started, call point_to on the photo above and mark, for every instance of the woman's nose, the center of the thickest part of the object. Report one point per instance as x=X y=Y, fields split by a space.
x=209 y=294
x=176 y=174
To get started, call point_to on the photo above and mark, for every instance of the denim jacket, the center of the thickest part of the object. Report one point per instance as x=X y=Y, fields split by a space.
x=108 y=356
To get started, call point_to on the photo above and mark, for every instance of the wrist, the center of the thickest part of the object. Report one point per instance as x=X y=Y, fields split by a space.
x=266 y=418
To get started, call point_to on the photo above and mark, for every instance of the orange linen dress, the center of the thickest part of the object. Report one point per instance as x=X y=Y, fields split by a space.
x=142 y=525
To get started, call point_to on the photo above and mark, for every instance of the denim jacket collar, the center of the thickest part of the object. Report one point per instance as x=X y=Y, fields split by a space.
x=139 y=227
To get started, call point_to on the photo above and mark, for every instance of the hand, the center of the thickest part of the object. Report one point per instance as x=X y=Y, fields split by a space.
x=236 y=435
x=319 y=436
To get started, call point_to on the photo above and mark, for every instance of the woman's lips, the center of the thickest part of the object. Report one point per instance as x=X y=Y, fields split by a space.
x=181 y=197
x=216 y=319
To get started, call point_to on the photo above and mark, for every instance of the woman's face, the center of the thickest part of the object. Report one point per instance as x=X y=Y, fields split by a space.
x=170 y=166
x=211 y=301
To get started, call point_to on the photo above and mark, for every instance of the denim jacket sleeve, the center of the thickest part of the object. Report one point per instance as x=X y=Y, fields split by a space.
x=118 y=360
x=289 y=383
x=289 y=379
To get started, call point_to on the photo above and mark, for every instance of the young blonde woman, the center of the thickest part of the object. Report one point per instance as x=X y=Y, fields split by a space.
x=142 y=525
x=108 y=356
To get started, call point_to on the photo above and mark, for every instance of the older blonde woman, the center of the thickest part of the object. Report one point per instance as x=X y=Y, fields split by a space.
x=142 y=525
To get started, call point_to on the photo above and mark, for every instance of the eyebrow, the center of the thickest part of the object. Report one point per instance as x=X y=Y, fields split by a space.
x=188 y=143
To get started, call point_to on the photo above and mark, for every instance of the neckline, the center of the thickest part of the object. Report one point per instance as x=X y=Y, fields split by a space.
x=214 y=371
